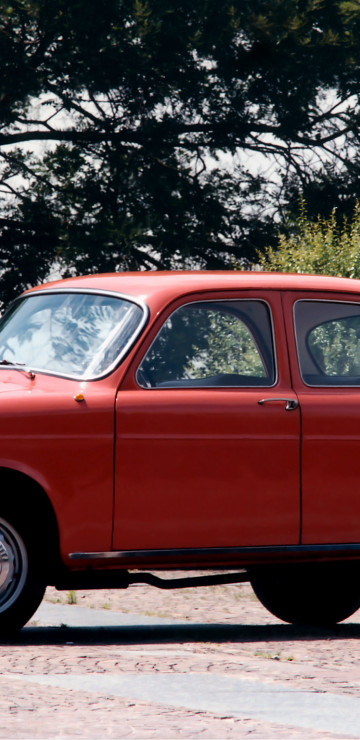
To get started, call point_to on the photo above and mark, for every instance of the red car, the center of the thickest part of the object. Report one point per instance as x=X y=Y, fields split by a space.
x=197 y=420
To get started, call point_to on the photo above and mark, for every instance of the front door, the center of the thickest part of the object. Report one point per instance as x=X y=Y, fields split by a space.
x=207 y=431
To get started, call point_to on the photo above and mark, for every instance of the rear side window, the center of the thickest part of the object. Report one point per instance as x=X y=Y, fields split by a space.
x=328 y=341
x=215 y=343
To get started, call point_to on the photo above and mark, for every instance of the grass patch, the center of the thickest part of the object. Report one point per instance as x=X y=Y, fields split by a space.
x=71 y=597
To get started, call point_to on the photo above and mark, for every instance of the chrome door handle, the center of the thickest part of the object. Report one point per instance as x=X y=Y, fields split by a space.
x=290 y=403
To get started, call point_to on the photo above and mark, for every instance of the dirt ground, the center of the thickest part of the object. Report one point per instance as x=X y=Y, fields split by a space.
x=247 y=641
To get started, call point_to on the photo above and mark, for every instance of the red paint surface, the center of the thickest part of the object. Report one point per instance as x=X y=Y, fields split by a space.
x=193 y=467
x=330 y=424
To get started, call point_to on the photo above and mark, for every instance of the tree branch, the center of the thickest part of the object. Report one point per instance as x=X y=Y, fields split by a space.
x=154 y=131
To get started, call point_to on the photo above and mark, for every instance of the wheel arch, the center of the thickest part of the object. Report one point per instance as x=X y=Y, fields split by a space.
x=27 y=505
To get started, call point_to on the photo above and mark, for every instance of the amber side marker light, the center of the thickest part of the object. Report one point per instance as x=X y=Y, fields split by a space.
x=79 y=397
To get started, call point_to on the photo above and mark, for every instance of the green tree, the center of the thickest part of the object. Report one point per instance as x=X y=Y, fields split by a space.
x=136 y=103
x=317 y=247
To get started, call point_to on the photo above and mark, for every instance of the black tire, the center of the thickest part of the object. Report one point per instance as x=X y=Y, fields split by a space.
x=313 y=594
x=21 y=585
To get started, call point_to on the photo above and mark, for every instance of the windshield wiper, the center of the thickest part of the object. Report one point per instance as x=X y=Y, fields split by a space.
x=18 y=366
x=15 y=364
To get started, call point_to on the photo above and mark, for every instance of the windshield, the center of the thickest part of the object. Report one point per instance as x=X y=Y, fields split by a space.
x=79 y=335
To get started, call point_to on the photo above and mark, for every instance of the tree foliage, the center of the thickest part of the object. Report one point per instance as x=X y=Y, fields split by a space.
x=335 y=346
x=317 y=247
x=116 y=121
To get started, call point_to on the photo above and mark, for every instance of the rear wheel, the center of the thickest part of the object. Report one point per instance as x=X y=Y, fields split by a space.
x=318 y=594
x=21 y=586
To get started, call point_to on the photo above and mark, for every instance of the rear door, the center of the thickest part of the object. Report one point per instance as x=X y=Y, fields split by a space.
x=207 y=430
x=325 y=358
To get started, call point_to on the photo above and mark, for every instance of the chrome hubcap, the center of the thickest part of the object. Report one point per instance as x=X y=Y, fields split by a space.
x=13 y=565
x=5 y=566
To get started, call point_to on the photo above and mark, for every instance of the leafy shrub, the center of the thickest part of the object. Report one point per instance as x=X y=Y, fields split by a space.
x=320 y=247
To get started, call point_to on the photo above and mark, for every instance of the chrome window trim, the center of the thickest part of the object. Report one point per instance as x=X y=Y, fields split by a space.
x=92 y=291
x=320 y=300
x=219 y=387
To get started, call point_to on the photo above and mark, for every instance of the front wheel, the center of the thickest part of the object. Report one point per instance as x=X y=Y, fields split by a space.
x=21 y=587
x=313 y=594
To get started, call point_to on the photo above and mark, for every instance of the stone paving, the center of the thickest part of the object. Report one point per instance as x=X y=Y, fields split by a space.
x=223 y=634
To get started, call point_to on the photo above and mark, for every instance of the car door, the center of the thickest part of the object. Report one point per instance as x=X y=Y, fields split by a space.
x=325 y=357
x=207 y=430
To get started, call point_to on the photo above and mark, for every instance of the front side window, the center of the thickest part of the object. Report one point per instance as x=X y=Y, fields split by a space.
x=215 y=343
x=328 y=340
x=78 y=335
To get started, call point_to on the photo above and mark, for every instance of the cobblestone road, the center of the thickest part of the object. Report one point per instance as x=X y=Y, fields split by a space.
x=63 y=682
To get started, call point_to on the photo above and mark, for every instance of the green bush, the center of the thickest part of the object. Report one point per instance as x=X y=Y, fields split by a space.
x=320 y=247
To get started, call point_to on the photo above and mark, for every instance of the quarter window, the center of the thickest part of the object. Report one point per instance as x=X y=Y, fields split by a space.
x=217 y=343
x=328 y=340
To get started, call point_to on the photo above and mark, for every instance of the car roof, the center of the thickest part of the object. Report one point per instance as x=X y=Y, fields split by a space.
x=172 y=284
